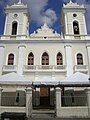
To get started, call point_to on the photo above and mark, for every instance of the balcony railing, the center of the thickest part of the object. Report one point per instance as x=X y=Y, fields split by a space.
x=11 y=101
x=28 y=68
x=44 y=67
x=9 y=68
x=74 y=101
x=60 y=68
x=81 y=68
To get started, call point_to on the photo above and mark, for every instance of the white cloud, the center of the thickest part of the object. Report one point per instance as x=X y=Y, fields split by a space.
x=39 y=14
x=49 y=17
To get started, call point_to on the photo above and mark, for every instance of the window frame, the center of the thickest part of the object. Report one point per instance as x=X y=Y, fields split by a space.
x=14 y=30
x=10 y=60
x=77 y=24
x=80 y=61
x=45 y=59
x=59 y=58
x=30 y=59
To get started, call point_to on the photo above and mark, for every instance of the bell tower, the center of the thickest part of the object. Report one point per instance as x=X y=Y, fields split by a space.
x=73 y=19
x=17 y=19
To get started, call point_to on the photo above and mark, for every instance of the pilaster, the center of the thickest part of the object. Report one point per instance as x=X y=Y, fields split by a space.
x=88 y=51
x=2 y=47
x=0 y=95
x=85 y=32
x=66 y=25
x=21 y=58
x=69 y=64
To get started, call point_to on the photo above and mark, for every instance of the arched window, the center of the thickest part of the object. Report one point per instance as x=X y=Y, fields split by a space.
x=45 y=59
x=79 y=59
x=10 y=59
x=14 y=28
x=31 y=59
x=76 y=27
x=59 y=59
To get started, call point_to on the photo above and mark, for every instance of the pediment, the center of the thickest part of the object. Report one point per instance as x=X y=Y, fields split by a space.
x=45 y=31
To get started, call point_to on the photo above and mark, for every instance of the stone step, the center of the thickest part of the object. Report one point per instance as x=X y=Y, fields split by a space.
x=43 y=114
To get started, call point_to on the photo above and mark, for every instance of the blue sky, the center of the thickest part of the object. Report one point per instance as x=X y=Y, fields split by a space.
x=42 y=11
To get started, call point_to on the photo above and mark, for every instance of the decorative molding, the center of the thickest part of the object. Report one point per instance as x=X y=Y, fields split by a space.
x=45 y=32
x=68 y=45
x=21 y=45
x=2 y=45
x=88 y=45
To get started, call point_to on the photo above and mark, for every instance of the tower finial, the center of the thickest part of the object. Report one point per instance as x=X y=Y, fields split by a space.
x=70 y=1
x=20 y=1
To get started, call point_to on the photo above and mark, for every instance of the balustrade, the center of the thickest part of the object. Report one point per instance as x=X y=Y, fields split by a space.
x=45 y=67
x=9 y=68
x=81 y=68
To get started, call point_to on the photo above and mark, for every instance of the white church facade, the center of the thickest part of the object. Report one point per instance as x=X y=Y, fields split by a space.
x=42 y=56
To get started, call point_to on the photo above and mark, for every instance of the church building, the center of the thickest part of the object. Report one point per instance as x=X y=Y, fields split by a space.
x=32 y=66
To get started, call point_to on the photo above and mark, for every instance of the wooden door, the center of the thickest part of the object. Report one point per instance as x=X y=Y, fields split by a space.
x=44 y=96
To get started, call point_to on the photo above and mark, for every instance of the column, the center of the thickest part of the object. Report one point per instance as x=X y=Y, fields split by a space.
x=21 y=58
x=88 y=51
x=28 y=102
x=69 y=60
x=2 y=47
x=88 y=100
x=0 y=95
x=58 y=101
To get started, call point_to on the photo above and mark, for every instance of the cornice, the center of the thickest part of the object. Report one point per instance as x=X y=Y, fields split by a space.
x=88 y=45
x=65 y=10
x=43 y=41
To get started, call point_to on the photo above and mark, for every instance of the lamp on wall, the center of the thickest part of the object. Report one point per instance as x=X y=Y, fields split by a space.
x=89 y=79
x=17 y=98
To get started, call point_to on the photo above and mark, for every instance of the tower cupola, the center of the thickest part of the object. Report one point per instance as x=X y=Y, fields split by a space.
x=17 y=19
x=73 y=19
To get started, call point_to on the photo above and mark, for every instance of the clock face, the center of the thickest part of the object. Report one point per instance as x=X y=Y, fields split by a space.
x=15 y=15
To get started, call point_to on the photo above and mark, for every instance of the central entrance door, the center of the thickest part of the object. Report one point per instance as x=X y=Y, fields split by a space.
x=45 y=96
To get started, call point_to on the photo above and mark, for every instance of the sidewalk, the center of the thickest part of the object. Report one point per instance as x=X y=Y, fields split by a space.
x=59 y=119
